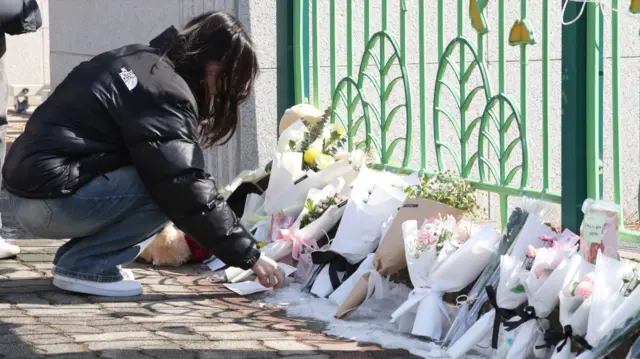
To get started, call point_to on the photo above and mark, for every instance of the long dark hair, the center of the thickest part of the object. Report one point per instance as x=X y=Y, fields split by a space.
x=219 y=38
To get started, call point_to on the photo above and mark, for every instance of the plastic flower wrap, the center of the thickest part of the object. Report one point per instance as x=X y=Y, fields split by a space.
x=574 y=306
x=535 y=265
x=291 y=240
x=455 y=267
x=372 y=200
x=250 y=176
x=541 y=284
x=525 y=229
x=599 y=230
x=615 y=300
x=468 y=310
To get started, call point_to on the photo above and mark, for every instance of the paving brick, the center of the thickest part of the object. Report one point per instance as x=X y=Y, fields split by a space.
x=165 y=318
x=312 y=355
x=114 y=336
x=256 y=335
x=288 y=344
x=173 y=354
x=64 y=298
x=42 y=339
x=340 y=345
x=17 y=350
x=36 y=242
x=27 y=300
x=39 y=257
x=131 y=344
x=60 y=348
x=179 y=334
x=238 y=354
x=156 y=280
x=120 y=328
x=8 y=338
x=76 y=329
x=18 y=320
x=85 y=355
x=231 y=327
x=226 y=345
x=57 y=312
x=33 y=329
x=125 y=354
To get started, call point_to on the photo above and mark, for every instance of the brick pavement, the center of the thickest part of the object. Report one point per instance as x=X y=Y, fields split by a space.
x=182 y=314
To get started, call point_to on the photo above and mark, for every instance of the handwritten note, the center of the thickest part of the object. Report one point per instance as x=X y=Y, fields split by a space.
x=593 y=226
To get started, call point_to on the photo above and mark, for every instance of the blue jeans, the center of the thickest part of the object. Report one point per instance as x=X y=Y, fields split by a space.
x=110 y=221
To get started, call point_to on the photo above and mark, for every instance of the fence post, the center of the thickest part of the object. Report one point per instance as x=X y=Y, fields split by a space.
x=285 y=72
x=574 y=116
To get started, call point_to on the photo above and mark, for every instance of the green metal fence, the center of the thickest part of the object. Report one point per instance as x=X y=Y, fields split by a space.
x=468 y=125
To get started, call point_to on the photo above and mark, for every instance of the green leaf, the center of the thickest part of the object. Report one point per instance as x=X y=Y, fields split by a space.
x=519 y=289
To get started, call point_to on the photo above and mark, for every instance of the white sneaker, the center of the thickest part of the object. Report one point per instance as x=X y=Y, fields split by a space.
x=127 y=273
x=124 y=288
x=8 y=250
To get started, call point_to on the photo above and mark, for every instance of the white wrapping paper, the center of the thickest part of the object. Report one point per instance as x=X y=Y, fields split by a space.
x=361 y=226
x=376 y=284
x=543 y=296
x=291 y=195
x=573 y=311
x=605 y=297
x=285 y=168
x=450 y=275
x=510 y=271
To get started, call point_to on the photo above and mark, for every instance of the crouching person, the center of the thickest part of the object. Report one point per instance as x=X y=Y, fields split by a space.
x=114 y=154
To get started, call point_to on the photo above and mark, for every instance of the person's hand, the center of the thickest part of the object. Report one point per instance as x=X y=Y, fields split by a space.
x=268 y=272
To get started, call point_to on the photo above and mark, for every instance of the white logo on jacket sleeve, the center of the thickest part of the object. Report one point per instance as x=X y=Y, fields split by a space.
x=129 y=78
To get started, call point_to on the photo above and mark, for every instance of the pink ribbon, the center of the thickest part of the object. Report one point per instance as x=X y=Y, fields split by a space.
x=297 y=241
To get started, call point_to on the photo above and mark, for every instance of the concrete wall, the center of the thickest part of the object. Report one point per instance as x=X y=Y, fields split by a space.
x=27 y=57
x=83 y=28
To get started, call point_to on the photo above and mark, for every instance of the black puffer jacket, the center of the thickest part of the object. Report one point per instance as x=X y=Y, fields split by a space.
x=18 y=17
x=128 y=106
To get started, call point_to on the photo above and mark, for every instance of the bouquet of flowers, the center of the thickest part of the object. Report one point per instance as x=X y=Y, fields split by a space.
x=429 y=197
x=524 y=230
x=457 y=265
x=616 y=299
x=574 y=306
x=372 y=200
x=510 y=292
x=541 y=285
x=289 y=239
x=309 y=155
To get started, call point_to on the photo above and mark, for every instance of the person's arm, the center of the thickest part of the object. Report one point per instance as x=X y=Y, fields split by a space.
x=163 y=145
x=19 y=16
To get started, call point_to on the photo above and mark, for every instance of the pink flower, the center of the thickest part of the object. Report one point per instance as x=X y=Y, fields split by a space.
x=584 y=289
x=531 y=252
x=429 y=221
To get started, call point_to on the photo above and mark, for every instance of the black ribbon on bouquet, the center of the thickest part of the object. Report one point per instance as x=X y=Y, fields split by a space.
x=501 y=314
x=337 y=263
x=526 y=314
x=553 y=339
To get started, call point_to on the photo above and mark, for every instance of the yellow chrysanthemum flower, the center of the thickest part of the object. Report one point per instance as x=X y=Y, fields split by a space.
x=311 y=154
